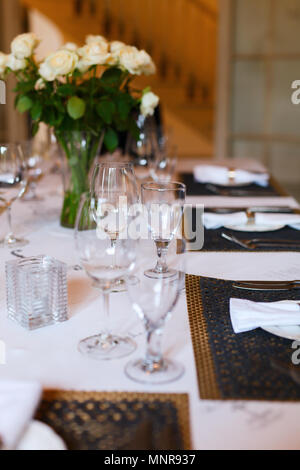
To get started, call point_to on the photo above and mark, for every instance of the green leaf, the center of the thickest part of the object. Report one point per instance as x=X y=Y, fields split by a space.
x=76 y=107
x=111 y=140
x=112 y=75
x=24 y=104
x=36 y=110
x=124 y=104
x=65 y=90
x=35 y=128
x=106 y=109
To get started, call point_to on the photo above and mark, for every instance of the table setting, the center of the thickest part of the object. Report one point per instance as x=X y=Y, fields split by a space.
x=115 y=334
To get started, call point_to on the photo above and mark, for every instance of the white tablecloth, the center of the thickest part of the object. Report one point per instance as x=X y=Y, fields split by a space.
x=50 y=355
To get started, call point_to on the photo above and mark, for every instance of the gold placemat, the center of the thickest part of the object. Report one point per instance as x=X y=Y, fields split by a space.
x=104 y=420
x=207 y=382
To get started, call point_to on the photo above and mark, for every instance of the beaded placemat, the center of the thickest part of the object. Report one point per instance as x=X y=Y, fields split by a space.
x=213 y=240
x=117 y=420
x=236 y=366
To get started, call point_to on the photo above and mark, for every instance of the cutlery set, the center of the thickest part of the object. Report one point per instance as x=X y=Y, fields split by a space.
x=234 y=192
x=267 y=285
x=253 y=243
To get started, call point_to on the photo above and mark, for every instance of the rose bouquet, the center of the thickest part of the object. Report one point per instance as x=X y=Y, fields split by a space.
x=84 y=94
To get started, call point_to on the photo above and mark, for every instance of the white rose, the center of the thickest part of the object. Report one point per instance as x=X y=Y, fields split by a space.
x=116 y=47
x=59 y=63
x=95 y=53
x=91 y=38
x=135 y=61
x=69 y=46
x=3 y=62
x=39 y=84
x=23 y=45
x=149 y=103
x=16 y=64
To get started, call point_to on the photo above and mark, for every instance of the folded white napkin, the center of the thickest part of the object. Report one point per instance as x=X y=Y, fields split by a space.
x=220 y=175
x=247 y=315
x=214 y=221
x=276 y=219
x=18 y=401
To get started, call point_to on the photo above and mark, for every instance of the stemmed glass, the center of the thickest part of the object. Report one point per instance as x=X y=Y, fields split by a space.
x=114 y=183
x=164 y=203
x=105 y=263
x=143 y=150
x=13 y=184
x=163 y=168
x=154 y=299
x=35 y=168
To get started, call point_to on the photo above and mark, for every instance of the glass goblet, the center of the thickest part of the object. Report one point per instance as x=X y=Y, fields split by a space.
x=105 y=263
x=35 y=168
x=13 y=184
x=153 y=299
x=164 y=202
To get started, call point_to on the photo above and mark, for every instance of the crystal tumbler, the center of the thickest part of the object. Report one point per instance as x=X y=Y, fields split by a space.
x=37 y=291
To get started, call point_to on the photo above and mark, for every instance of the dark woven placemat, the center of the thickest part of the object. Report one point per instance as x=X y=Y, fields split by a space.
x=193 y=188
x=235 y=366
x=117 y=420
x=213 y=241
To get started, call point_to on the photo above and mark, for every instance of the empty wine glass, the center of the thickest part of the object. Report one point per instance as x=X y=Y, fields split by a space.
x=153 y=299
x=143 y=151
x=35 y=168
x=13 y=183
x=105 y=263
x=114 y=183
x=164 y=203
x=163 y=167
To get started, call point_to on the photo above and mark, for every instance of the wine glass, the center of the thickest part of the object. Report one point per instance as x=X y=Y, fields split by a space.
x=164 y=203
x=163 y=167
x=35 y=168
x=105 y=263
x=114 y=183
x=143 y=151
x=153 y=299
x=13 y=184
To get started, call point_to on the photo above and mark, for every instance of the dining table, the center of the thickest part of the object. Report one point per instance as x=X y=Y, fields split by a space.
x=50 y=356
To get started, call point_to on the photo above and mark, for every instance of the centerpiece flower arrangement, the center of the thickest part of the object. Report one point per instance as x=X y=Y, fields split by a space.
x=85 y=95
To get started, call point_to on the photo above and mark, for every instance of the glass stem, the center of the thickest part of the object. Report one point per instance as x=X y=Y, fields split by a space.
x=113 y=242
x=105 y=295
x=162 y=250
x=9 y=237
x=154 y=358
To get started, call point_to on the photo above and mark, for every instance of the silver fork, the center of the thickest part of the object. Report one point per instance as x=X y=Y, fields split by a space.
x=260 y=242
x=237 y=192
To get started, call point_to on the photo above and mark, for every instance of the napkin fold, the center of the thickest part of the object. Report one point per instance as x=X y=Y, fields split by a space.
x=18 y=402
x=214 y=221
x=220 y=175
x=247 y=315
x=276 y=219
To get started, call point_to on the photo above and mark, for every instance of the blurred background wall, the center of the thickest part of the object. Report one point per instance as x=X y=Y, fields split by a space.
x=225 y=67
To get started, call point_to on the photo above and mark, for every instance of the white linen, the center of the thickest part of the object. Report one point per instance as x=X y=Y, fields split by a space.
x=18 y=402
x=276 y=219
x=228 y=201
x=214 y=221
x=247 y=315
x=220 y=175
x=50 y=356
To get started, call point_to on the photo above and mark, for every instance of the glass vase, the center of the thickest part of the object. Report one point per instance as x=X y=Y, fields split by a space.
x=79 y=150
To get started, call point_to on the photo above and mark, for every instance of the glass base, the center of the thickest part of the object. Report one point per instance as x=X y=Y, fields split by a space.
x=153 y=274
x=165 y=372
x=105 y=347
x=120 y=286
x=13 y=242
